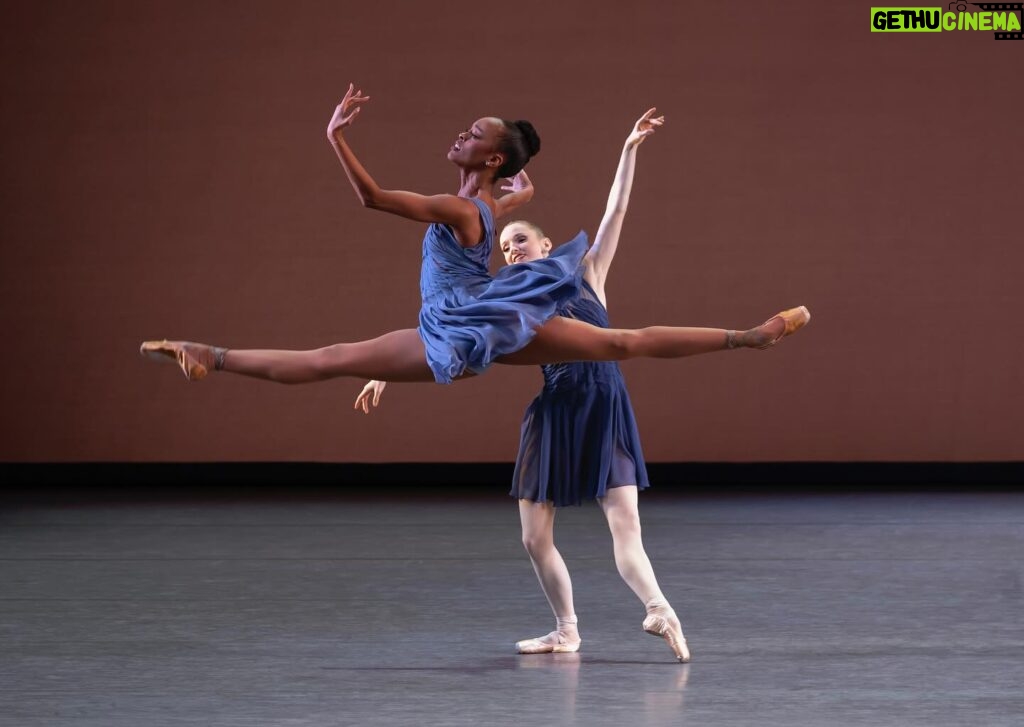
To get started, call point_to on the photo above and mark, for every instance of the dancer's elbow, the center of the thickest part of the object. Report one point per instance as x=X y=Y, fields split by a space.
x=374 y=199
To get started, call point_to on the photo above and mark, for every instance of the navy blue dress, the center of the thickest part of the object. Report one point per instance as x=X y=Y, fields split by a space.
x=468 y=318
x=579 y=436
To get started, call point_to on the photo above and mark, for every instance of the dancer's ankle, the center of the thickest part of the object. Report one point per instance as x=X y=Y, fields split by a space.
x=758 y=336
x=219 y=355
x=658 y=605
x=568 y=626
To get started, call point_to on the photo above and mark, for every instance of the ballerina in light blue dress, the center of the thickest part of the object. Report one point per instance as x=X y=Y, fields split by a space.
x=468 y=319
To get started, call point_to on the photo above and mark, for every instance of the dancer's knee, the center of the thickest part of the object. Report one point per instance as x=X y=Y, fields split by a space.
x=327 y=362
x=537 y=544
x=625 y=526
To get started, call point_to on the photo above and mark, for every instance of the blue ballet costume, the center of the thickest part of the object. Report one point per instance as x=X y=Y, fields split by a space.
x=579 y=436
x=469 y=317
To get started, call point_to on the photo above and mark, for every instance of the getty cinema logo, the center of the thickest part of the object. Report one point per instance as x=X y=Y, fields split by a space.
x=1002 y=19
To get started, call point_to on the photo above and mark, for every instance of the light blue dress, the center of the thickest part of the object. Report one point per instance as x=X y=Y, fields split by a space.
x=468 y=317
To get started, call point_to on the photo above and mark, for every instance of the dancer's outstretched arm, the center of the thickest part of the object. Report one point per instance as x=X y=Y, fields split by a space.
x=448 y=209
x=599 y=257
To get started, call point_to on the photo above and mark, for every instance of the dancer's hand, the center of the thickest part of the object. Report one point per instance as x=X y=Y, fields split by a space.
x=520 y=191
x=363 y=400
x=518 y=183
x=644 y=127
x=346 y=112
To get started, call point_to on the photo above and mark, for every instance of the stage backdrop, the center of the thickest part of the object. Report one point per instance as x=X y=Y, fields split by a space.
x=166 y=174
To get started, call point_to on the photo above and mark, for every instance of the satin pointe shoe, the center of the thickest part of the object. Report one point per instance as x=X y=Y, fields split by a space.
x=794 y=318
x=553 y=643
x=666 y=625
x=195 y=359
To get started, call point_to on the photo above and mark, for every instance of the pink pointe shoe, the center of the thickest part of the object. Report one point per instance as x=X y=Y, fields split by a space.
x=666 y=625
x=195 y=359
x=794 y=319
x=553 y=643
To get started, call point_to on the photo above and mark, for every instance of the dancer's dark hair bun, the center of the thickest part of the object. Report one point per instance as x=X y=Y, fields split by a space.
x=530 y=136
x=519 y=142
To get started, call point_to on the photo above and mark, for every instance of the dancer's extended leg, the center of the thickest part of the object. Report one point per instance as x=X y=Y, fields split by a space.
x=395 y=356
x=620 y=507
x=564 y=339
x=538 y=520
x=400 y=355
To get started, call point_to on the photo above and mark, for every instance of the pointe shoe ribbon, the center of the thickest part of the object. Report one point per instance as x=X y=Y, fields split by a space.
x=553 y=643
x=668 y=628
x=175 y=351
x=794 y=319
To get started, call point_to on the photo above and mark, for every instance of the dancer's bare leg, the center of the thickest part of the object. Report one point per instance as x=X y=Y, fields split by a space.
x=620 y=507
x=395 y=356
x=401 y=356
x=538 y=521
x=564 y=339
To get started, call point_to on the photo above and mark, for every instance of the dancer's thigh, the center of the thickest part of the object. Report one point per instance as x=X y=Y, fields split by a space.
x=563 y=340
x=621 y=508
x=395 y=356
x=622 y=499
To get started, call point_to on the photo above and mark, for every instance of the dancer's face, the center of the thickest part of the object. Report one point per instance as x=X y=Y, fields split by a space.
x=477 y=146
x=520 y=242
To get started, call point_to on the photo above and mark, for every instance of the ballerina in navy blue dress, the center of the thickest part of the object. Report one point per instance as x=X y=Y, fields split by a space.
x=579 y=437
x=469 y=320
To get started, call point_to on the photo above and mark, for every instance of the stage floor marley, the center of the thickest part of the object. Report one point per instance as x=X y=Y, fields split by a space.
x=811 y=609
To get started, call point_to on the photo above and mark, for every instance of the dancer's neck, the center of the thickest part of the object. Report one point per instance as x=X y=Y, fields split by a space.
x=475 y=183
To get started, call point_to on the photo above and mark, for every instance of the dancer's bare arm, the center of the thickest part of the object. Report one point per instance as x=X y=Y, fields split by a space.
x=446 y=209
x=520 y=191
x=370 y=392
x=599 y=257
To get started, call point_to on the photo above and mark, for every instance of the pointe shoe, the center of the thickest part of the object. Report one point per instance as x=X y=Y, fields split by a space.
x=666 y=625
x=794 y=318
x=195 y=359
x=553 y=643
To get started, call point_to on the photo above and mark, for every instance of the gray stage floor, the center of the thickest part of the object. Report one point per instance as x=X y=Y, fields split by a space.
x=844 y=610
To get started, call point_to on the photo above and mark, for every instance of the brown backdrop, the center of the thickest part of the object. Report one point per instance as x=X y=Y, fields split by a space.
x=166 y=174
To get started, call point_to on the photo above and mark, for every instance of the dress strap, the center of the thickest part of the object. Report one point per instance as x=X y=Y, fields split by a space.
x=485 y=215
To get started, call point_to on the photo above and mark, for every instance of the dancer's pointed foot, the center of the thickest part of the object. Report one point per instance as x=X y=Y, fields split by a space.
x=663 y=622
x=776 y=328
x=554 y=643
x=195 y=359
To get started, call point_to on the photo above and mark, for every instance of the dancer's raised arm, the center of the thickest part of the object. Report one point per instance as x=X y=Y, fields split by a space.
x=520 y=191
x=599 y=258
x=447 y=209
